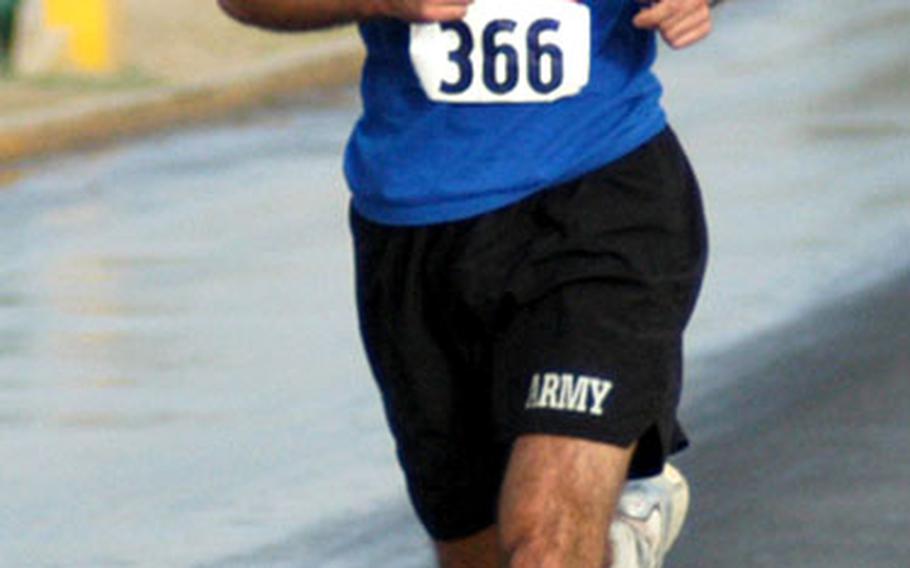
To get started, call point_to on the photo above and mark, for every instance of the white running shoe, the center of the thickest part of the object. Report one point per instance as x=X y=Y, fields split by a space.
x=648 y=519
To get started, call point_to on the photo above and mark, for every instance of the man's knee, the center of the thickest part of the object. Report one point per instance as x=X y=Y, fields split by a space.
x=558 y=499
x=479 y=550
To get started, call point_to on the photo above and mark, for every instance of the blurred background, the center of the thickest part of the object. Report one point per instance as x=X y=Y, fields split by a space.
x=181 y=381
x=72 y=49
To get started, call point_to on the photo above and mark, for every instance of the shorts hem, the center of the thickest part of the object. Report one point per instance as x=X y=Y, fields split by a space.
x=623 y=437
x=461 y=532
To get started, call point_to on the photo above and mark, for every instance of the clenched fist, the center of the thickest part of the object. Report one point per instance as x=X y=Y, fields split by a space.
x=680 y=22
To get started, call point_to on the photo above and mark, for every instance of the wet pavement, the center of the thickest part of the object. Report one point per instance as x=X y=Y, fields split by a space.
x=805 y=462
x=177 y=341
x=181 y=383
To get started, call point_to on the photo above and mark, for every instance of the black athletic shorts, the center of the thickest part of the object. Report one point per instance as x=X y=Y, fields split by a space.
x=561 y=314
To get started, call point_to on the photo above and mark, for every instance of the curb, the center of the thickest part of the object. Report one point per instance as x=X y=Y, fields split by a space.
x=335 y=62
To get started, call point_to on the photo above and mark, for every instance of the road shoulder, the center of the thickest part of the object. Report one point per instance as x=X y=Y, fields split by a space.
x=202 y=67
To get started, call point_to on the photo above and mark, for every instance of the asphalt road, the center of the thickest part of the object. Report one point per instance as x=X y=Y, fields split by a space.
x=181 y=383
x=804 y=458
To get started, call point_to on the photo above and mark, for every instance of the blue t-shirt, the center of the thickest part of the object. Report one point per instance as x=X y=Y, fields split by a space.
x=411 y=161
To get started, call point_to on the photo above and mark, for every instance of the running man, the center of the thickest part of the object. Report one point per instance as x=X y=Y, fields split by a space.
x=529 y=246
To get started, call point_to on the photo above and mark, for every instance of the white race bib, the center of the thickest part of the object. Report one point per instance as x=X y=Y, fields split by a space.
x=505 y=51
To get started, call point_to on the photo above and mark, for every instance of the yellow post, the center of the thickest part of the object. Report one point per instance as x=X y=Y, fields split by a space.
x=88 y=27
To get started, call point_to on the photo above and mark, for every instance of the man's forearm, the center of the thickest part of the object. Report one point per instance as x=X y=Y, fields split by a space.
x=299 y=14
x=314 y=14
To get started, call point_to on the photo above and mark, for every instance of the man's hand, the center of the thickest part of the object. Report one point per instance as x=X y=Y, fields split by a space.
x=680 y=22
x=424 y=10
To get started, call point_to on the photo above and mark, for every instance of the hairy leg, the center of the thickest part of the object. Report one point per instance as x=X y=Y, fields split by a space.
x=558 y=500
x=479 y=550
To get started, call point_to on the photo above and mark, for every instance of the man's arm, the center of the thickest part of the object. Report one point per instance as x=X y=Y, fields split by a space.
x=314 y=14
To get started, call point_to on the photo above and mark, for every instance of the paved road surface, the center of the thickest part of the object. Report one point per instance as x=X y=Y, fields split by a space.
x=806 y=460
x=181 y=382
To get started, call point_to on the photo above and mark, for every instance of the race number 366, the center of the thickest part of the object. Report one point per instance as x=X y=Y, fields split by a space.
x=505 y=51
